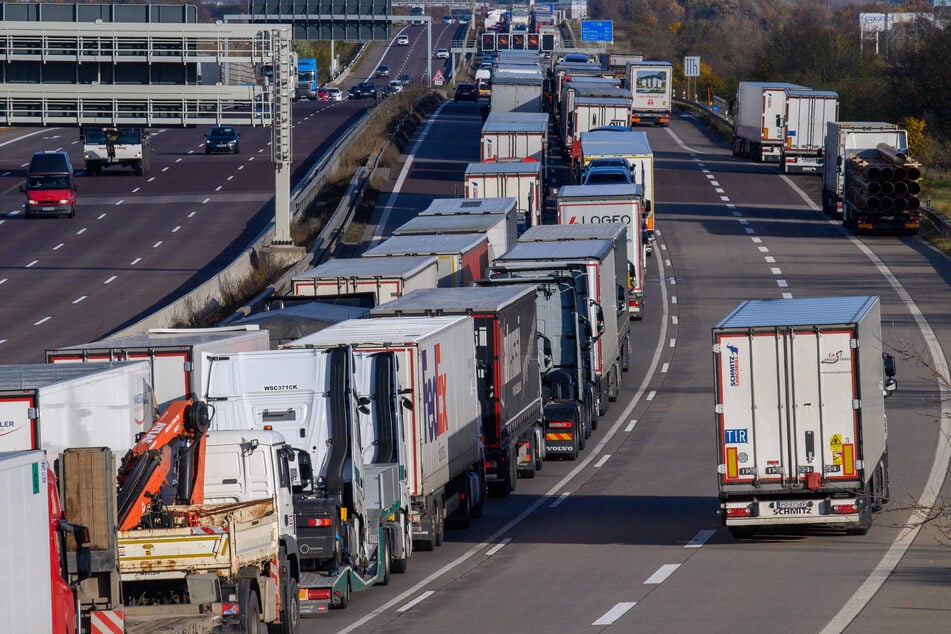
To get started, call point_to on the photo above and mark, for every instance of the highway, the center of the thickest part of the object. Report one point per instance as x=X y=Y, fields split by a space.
x=137 y=243
x=628 y=538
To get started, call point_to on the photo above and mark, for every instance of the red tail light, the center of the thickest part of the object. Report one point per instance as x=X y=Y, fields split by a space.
x=844 y=509
x=317 y=522
x=320 y=594
x=739 y=512
x=559 y=424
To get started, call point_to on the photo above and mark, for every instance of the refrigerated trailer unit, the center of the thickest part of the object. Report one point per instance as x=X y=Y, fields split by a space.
x=367 y=281
x=54 y=407
x=651 y=85
x=521 y=180
x=441 y=414
x=514 y=135
x=501 y=206
x=604 y=263
x=808 y=113
x=177 y=356
x=460 y=258
x=800 y=413
x=499 y=229
x=517 y=92
x=509 y=381
x=759 y=119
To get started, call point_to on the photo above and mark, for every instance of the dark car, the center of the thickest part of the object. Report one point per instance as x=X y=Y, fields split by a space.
x=466 y=91
x=222 y=139
x=362 y=90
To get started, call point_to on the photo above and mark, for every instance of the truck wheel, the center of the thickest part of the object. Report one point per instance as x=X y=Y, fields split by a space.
x=385 y=559
x=576 y=445
x=398 y=565
x=614 y=385
x=290 y=612
x=139 y=170
x=626 y=351
x=539 y=448
x=250 y=610
x=602 y=407
x=483 y=491
x=428 y=544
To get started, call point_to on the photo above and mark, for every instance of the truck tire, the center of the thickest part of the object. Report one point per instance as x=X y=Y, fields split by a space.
x=539 y=435
x=250 y=609
x=428 y=544
x=614 y=384
x=626 y=348
x=483 y=491
x=385 y=558
x=139 y=169
x=398 y=565
x=576 y=445
x=290 y=610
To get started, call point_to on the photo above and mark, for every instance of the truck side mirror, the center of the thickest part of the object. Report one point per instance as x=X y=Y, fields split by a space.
x=888 y=387
x=888 y=364
x=647 y=206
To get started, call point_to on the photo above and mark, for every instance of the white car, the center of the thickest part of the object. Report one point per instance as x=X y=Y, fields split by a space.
x=442 y=53
x=335 y=94
x=402 y=40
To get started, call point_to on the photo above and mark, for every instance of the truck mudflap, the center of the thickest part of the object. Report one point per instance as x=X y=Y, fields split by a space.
x=775 y=512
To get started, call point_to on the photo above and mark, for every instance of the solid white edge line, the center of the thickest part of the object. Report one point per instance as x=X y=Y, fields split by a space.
x=942 y=455
x=615 y=613
x=651 y=370
x=662 y=574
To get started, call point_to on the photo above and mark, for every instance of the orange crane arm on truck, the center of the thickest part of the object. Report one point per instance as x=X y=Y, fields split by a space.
x=166 y=466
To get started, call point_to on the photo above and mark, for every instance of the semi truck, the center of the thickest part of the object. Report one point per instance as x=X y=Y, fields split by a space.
x=53 y=407
x=341 y=408
x=869 y=179
x=808 y=113
x=759 y=119
x=367 y=281
x=598 y=205
x=307 y=79
x=570 y=122
x=441 y=415
x=499 y=229
x=632 y=146
x=800 y=413
x=37 y=589
x=515 y=135
x=604 y=263
x=177 y=356
x=460 y=258
x=508 y=377
x=106 y=146
x=518 y=179
x=650 y=84
x=564 y=349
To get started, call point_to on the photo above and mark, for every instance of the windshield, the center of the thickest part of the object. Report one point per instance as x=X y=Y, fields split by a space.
x=222 y=132
x=113 y=135
x=306 y=76
x=48 y=181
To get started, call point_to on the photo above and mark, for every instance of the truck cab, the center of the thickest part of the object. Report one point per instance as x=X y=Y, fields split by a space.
x=105 y=146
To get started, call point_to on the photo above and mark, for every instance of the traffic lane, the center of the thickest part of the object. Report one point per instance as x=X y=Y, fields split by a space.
x=854 y=567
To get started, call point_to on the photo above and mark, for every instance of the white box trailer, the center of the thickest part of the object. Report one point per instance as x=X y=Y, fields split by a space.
x=595 y=205
x=808 y=113
x=517 y=92
x=584 y=87
x=572 y=71
x=500 y=229
x=54 y=407
x=460 y=258
x=635 y=148
x=514 y=135
x=852 y=137
x=177 y=356
x=521 y=180
x=590 y=112
x=436 y=357
x=800 y=413
x=605 y=264
x=367 y=281
x=650 y=84
x=759 y=112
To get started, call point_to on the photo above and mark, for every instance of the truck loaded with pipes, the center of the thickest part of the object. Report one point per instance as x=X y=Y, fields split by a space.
x=870 y=179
